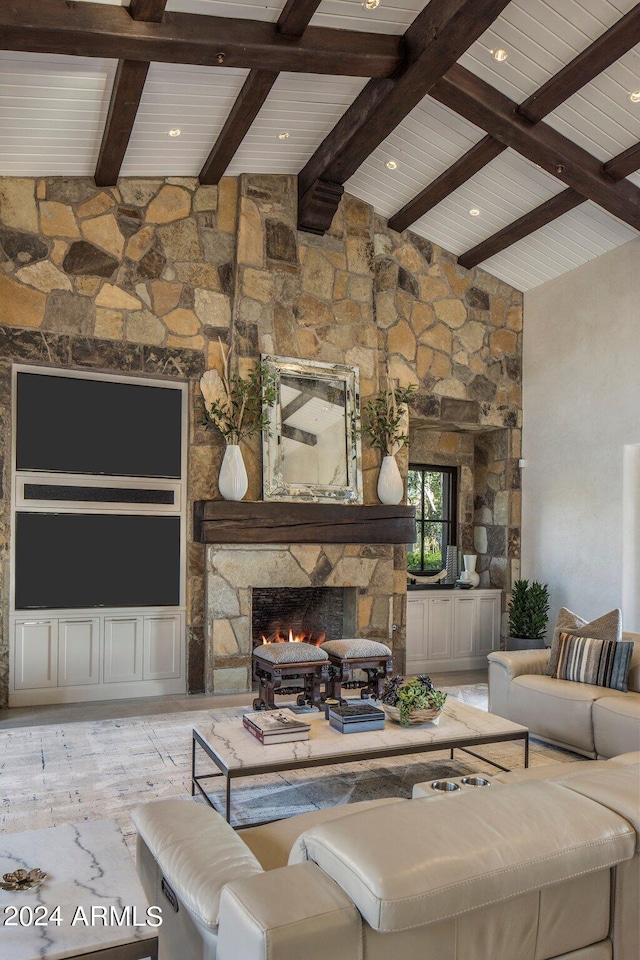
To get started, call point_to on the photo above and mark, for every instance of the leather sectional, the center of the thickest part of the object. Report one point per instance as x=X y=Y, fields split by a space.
x=536 y=867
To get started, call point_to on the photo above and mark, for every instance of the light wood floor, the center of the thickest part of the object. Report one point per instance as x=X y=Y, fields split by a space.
x=149 y=706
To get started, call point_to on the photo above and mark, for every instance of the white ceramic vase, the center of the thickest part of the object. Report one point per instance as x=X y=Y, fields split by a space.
x=390 y=485
x=470 y=575
x=232 y=481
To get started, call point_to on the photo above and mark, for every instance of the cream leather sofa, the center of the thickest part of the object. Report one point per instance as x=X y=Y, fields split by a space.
x=529 y=870
x=593 y=721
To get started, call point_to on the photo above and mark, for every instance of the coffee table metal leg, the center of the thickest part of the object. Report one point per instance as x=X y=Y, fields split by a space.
x=228 y=800
x=193 y=766
x=526 y=750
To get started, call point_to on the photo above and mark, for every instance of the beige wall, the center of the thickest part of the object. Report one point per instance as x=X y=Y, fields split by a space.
x=582 y=421
x=144 y=278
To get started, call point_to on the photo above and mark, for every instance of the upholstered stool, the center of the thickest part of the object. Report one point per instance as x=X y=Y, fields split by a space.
x=275 y=662
x=349 y=654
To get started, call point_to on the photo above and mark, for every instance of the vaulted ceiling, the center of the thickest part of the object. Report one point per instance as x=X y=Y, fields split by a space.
x=543 y=146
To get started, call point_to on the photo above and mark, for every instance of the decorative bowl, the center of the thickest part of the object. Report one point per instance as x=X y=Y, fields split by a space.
x=428 y=715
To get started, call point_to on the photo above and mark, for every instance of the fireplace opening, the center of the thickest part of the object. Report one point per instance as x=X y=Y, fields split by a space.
x=309 y=614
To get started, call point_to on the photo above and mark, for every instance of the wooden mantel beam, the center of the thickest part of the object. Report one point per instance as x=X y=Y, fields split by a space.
x=126 y=94
x=102 y=30
x=614 y=43
x=481 y=104
x=437 y=37
x=619 y=167
x=292 y=22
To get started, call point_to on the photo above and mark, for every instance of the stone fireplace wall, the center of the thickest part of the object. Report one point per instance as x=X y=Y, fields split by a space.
x=144 y=278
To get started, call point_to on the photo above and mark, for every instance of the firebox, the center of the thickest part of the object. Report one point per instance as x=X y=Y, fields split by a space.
x=312 y=614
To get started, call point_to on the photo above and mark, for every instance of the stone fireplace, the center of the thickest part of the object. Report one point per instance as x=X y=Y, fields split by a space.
x=343 y=590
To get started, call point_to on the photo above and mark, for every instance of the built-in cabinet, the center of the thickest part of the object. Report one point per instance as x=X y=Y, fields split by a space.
x=451 y=629
x=64 y=659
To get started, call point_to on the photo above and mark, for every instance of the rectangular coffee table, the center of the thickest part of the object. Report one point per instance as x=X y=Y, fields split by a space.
x=237 y=754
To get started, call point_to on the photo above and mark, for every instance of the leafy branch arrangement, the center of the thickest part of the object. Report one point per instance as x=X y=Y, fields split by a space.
x=416 y=694
x=237 y=405
x=529 y=610
x=385 y=420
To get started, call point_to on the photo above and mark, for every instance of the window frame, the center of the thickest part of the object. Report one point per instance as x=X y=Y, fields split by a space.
x=449 y=519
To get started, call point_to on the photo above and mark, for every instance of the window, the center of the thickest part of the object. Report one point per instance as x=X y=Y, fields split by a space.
x=433 y=491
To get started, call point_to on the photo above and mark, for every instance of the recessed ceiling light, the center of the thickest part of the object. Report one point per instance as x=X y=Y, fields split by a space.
x=175 y=132
x=370 y=4
x=391 y=165
x=634 y=96
x=284 y=135
x=474 y=212
x=500 y=55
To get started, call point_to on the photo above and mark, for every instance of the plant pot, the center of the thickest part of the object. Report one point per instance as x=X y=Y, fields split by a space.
x=232 y=481
x=522 y=643
x=390 y=485
x=428 y=715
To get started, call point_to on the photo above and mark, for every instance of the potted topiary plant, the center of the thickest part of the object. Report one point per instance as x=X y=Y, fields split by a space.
x=528 y=615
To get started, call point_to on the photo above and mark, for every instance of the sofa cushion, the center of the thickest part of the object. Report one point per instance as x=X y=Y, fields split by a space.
x=187 y=839
x=604 y=663
x=271 y=843
x=617 y=788
x=608 y=627
x=616 y=724
x=356 y=648
x=559 y=710
x=289 y=652
x=441 y=860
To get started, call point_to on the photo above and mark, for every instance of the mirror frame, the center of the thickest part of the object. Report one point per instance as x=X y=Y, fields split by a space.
x=274 y=486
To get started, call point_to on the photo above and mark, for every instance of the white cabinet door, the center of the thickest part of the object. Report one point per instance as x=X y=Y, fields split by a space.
x=36 y=654
x=162 y=647
x=417 y=613
x=122 y=649
x=465 y=627
x=78 y=651
x=488 y=638
x=440 y=628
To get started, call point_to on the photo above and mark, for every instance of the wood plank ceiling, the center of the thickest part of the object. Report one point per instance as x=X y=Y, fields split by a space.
x=554 y=181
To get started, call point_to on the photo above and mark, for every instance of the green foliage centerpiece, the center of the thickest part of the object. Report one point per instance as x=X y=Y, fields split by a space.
x=413 y=701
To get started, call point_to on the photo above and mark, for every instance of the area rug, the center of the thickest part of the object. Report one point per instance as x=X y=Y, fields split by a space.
x=71 y=772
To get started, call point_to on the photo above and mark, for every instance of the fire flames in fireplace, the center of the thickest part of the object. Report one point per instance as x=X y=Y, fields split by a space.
x=305 y=636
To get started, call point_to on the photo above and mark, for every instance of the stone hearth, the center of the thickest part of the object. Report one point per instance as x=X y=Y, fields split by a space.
x=232 y=572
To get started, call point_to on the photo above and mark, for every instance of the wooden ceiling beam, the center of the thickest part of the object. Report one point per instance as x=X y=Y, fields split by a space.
x=481 y=104
x=126 y=93
x=292 y=22
x=458 y=173
x=614 y=43
x=618 y=168
x=102 y=30
x=434 y=41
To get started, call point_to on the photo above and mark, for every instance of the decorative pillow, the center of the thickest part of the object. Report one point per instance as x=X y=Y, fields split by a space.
x=608 y=627
x=356 y=648
x=289 y=652
x=604 y=663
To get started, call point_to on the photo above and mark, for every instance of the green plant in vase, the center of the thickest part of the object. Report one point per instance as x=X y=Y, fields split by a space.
x=414 y=700
x=385 y=423
x=528 y=615
x=236 y=404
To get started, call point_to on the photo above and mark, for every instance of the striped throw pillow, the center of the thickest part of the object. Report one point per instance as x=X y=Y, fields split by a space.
x=604 y=663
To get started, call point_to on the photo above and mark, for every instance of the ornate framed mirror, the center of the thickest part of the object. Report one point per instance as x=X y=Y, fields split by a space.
x=312 y=448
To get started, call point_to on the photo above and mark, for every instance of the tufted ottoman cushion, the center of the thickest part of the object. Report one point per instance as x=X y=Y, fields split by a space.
x=289 y=653
x=355 y=649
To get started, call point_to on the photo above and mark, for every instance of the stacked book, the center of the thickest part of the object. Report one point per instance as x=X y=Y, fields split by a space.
x=356 y=717
x=276 y=726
